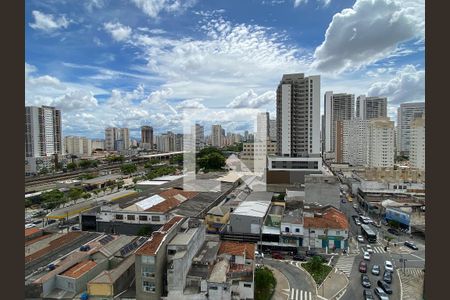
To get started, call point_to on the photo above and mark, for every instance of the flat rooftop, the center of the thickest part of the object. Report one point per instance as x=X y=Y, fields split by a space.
x=260 y=196
x=80 y=269
x=101 y=179
x=183 y=238
x=252 y=208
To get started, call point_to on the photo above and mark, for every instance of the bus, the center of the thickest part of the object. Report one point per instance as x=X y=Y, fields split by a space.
x=368 y=233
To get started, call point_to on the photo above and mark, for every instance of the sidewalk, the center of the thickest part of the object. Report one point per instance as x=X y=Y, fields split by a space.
x=334 y=283
x=282 y=288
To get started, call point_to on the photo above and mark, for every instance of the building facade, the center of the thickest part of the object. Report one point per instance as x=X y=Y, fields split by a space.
x=147 y=137
x=75 y=145
x=381 y=143
x=42 y=131
x=406 y=114
x=273 y=130
x=417 y=147
x=262 y=126
x=371 y=107
x=354 y=142
x=216 y=136
x=338 y=107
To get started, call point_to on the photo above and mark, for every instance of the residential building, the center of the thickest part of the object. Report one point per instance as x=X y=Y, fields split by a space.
x=42 y=131
x=98 y=144
x=249 y=216
x=167 y=142
x=111 y=135
x=417 y=143
x=273 y=130
x=371 y=107
x=151 y=262
x=338 y=107
x=79 y=146
x=147 y=137
x=199 y=137
x=216 y=218
x=256 y=153
x=381 y=143
x=35 y=165
x=217 y=136
x=262 y=126
x=117 y=139
x=353 y=134
x=406 y=113
x=178 y=142
x=322 y=189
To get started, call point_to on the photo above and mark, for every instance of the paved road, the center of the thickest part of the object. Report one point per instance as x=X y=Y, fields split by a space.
x=301 y=287
x=415 y=259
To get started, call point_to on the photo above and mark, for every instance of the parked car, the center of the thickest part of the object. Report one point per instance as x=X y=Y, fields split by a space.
x=366 y=255
x=259 y=255
x=386 y=288
x=411 y=245
x=75 y=228
x=311 y=253
x=369 y=249
x=277 y=256
x=387 y=276
x=360 y=239
x=388 y=266
x=365 y=281
x=393 y=231
x=358 y=222
x=381 y=294
x=368 y=295
x=299 y=257
x=27 y=226
x=363 y=267
x=376 y=270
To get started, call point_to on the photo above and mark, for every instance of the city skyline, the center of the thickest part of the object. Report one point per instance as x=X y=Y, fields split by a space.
x=104 y=70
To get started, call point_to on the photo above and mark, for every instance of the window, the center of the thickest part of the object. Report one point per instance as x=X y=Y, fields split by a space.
x=130 y=217
x=148 y=286
x=225 y=288
x=171 y=252
x=286 y=229
x=147 y=260
x=338 y=232
x=156 y=218
x=213 y=288
x=247 y=285
x=143 y=218
x=297 y=229
x=119 y=217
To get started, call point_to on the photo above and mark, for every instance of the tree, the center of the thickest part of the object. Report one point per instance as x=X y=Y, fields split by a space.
x=95 y=192
x=75 y=194
x=316 y=263
x=72 y=166
x=212 y=161
x=52 y=199
x=120 y=184
x=86 y=196
x=43 y=171
x=265 y=283
x=144 y=231
x=128 y=168
x=177 y=159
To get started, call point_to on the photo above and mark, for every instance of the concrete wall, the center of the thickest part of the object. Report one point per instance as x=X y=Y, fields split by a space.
x=292 y=228
x=245 y=292
x=219 y=291
x=242 y=224
x=124 y=228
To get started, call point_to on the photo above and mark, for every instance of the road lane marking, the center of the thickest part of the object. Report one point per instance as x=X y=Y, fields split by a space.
x=417 y=256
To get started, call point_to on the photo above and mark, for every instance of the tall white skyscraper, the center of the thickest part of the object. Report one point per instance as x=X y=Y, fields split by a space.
x=406 y=114
x=199 y=137
x=298 y=115
x=381 y=143
x=262 y=126
x=217 y=138
x=354 y=139
x=417 y=146
x=42 y=131
x=371 y=107
x=117 y=139
x=77 y=145
x=338 y=107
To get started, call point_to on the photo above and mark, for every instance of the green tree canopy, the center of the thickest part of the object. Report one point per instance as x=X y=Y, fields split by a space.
x=128 y=168
x=72 y=166
x=265 y=283
x=212 y=161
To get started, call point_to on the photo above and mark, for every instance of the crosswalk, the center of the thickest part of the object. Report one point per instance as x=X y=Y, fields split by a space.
x=296 y=294
x=345 y=264
x=376 y=249
x=415 y=272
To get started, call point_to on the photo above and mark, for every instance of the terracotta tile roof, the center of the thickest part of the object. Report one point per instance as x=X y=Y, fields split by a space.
x=53 y=245
x=30 y=231
x=42 y=237
x=174 y=197
x=237 y=248
x=80 y=269
x=151 y=246
x=331 y=218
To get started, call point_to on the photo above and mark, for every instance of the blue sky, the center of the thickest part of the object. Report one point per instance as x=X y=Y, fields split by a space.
x=141 y=62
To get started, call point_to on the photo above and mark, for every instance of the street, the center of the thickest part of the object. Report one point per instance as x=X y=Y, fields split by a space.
x=400 y=256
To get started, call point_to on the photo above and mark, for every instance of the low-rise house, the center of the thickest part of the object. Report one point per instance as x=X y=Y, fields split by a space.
x=216 y=218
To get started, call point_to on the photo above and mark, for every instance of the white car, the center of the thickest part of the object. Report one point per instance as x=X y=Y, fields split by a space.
x=358 y=223
x=259 y=255
x=366 y=255
x=360 y=239
x=369 y=249
x=388 y=266
x=355 y=205
x=27 y=226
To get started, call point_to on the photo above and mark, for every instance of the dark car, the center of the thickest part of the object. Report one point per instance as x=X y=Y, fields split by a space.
x=384 y=286
x=376 y=270
x=368 y=295
x=363 y=267
x=311 y=253
x=365 y=281
x=277 y=256
x=381 y=294
x=411 y=245
x=387 y=277
x=299 y=257
x=393 y=231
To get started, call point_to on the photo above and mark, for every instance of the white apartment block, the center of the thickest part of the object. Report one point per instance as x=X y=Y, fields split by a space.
x=381 y=143
x=76 y=145
x=417 y=147
x=42 y=131
x=354 y=150
x=338 y=107
x=371 y=107
x=273 y=130
x=98 y=144
x=262 y=126
x=298 y=115
x=117 y=139
x=217 y=136
x=406 y=113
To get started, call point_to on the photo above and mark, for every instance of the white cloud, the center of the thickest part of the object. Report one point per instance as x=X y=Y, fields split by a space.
x=408 y=85
x=191 y=103
x=48 y=22
x=251 y=99
x=93 y=4
x=153 y=8
x=297 y=3
x=118 y=31
x=157 y=97
x=369 y=31
x=76 y=100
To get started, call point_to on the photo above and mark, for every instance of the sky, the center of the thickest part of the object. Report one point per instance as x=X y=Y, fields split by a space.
x=128 y=63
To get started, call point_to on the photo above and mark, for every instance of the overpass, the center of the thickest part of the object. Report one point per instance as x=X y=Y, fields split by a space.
x=162 y=155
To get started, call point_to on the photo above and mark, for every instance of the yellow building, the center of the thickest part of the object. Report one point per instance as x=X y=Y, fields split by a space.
x=216 y=218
